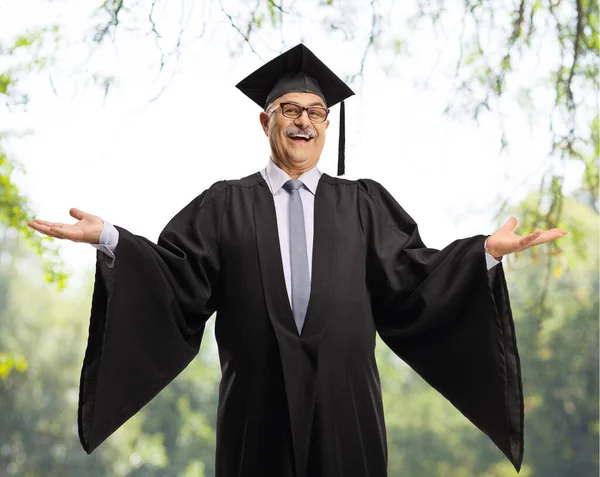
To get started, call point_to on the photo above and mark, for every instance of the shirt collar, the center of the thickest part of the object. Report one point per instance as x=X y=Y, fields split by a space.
x=277 y=177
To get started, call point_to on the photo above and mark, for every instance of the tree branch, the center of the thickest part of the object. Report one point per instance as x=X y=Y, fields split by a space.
x=373 y=34
x=112 y=23
x=576 y=48
x=278 y=7
x=236 y=28
x=157 y=35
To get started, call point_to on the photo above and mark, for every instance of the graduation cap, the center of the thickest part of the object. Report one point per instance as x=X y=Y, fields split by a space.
x=298 y=70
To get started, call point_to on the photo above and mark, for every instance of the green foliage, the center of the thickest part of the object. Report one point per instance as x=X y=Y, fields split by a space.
x=15 y=213
x=8 y=362
x=194 y=469
x=26 y=54
x=272 y=12
x=175 y=433
x=561 y=371
x=5 y=82
x=558 y=343
x=488 y=73
x=553 y=289
x=37 y=406
x=33 y=38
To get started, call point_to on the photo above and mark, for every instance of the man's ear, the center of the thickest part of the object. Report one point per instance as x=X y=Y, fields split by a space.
x=264 y=122
x=326 y=124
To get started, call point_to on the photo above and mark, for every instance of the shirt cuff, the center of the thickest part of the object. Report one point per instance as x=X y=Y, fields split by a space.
x=109 y=238
x=490 y=261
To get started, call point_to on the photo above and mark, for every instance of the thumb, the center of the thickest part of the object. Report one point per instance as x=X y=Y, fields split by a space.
x=510 y=224
x=77 y=213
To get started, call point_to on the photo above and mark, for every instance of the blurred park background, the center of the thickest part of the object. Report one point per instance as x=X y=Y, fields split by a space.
x=468 y=111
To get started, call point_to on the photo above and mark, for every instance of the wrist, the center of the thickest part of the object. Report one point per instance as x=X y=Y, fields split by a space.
x=100 y=235
x=489 y=249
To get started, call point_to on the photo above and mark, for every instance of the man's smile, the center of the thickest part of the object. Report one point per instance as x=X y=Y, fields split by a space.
x=300 y=139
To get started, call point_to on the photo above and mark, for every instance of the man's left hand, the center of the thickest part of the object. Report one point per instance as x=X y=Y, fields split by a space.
x=504 y=241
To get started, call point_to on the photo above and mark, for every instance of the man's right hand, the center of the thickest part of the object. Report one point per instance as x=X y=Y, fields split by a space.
x=87 y=230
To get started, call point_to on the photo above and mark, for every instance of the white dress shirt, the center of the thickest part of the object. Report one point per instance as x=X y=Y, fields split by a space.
x=275 y=178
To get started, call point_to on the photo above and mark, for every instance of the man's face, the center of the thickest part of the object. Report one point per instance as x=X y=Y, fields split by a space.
x=296 y=144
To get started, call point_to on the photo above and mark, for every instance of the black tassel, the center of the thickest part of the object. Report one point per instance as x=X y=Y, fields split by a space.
x=342 y=144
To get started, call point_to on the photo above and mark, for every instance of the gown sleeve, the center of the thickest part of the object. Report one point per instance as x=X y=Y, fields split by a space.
x=447 y=317
x=148 y=315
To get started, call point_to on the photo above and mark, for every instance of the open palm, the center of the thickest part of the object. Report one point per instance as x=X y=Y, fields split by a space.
x=87 y=230
x=505 y=241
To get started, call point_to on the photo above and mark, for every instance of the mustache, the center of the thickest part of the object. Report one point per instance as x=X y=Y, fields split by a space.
x=295 y=131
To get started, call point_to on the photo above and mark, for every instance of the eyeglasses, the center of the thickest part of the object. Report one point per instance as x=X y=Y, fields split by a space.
x=316 y=114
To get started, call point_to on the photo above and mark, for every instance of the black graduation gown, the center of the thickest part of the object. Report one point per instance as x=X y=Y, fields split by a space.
x=309 y=405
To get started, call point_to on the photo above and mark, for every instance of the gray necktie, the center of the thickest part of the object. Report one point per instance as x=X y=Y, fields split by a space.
x=298 y=255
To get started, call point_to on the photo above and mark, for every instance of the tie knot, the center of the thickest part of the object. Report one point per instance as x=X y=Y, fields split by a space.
x=292 y=185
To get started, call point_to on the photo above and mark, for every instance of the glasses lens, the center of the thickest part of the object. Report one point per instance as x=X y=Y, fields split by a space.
x=291 y=110
x=317 y=114
x=294 y=111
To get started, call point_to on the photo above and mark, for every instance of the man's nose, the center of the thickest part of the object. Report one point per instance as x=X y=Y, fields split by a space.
x=303 y=120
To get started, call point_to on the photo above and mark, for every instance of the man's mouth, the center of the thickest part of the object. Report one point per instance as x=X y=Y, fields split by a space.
x=300 y=138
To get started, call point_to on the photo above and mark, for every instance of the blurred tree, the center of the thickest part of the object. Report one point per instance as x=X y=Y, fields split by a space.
x=23 y=56
x=561 y=368
x=38 y=408
x=559 y=356
x=15 y=211
x=175 y=434
x=556 y=42
x=496 y=41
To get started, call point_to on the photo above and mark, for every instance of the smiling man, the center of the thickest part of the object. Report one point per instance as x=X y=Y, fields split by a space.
x=303 y=270
x=296 y=139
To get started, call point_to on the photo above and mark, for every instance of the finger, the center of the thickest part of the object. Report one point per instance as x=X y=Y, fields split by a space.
x=38 y=227
x=77 y=213
x=56 y=231
x=47 y=231
x=510 y=224
x=44 y=229
x=549 y=235
x=67 y=232
x=528 y=240
x=44 y=222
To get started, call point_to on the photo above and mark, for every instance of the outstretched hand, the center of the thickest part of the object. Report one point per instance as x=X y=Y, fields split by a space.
x=87 y=230
x=504 y=241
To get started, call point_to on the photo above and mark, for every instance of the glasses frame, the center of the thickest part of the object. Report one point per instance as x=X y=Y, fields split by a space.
x=302 y=109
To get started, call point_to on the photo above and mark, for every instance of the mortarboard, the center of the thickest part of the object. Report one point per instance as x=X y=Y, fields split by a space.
x=299 y=70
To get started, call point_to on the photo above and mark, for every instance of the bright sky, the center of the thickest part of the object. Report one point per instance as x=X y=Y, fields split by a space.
x=136 y=164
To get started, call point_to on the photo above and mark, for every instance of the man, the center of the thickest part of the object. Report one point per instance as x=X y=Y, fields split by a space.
x=302 y=269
